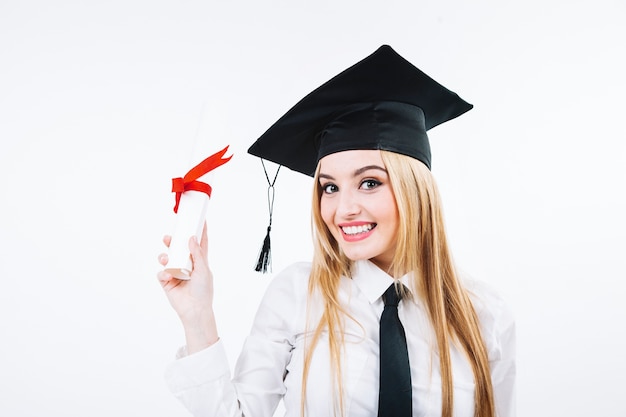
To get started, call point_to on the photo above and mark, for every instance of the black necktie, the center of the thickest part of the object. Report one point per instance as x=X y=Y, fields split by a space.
x=395 y=393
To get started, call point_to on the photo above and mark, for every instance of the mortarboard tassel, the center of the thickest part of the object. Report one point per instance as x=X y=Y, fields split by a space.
x=265 y=256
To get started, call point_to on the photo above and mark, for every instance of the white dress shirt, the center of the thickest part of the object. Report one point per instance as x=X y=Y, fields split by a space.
x=270 y=365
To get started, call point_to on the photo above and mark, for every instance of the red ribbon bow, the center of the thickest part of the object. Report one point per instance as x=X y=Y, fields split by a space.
x=189 y=183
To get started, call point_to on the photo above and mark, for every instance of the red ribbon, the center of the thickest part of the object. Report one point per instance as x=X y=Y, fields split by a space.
x=189 y=183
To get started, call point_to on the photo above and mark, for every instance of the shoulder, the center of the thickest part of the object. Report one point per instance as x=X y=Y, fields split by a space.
x=496 y=318
x=487 y=301
x=283 y=306
x=292 y=280
x=289 y=288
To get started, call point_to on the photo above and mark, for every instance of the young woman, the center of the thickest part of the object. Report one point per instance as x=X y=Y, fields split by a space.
x=379 y=323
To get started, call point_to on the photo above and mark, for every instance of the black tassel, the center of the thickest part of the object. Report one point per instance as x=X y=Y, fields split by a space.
x=265 y=256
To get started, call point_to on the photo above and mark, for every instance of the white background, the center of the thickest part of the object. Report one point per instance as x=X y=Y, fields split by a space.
x=99 y=105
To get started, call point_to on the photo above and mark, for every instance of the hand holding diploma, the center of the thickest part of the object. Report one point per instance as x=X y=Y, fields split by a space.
x=187 y=279
x=192 y=299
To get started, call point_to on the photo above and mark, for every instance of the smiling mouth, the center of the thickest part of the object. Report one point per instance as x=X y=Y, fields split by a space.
x=356 y=230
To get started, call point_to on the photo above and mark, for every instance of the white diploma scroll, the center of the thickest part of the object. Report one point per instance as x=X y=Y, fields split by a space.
x=189 y=222
x=193 y=203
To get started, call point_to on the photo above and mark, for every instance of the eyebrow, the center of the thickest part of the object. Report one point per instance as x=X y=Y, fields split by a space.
x=357 y=172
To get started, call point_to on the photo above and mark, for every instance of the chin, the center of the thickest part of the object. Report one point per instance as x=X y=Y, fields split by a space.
x=356 y=255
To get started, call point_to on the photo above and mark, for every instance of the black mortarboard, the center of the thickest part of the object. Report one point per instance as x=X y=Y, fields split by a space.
x=382 y=102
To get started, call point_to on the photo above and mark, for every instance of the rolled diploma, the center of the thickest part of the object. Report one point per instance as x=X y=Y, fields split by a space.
x=190 y=219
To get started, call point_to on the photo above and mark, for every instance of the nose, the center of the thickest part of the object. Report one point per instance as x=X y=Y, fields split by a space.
x=348 y=205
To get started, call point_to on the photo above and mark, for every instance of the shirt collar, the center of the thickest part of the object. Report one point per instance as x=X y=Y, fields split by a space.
x=373 y=281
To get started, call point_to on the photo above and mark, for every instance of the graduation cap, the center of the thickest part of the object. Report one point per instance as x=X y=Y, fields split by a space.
x=382 y=102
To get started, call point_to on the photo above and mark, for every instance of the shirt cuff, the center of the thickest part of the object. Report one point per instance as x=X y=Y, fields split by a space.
x=205 y=366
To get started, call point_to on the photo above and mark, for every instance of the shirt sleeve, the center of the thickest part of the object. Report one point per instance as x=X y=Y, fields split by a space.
x=498 y=328
x=503 y=372
x=202 y=381
x=498 y=331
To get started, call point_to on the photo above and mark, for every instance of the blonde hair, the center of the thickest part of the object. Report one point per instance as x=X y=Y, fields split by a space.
x=421 y=248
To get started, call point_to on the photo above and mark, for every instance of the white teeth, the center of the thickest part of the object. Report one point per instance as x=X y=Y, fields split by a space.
x=353 y=230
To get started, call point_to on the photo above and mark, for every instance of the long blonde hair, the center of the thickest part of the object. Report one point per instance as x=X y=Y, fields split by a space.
x=421 y=249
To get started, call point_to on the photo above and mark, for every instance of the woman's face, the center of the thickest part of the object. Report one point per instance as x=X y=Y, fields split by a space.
x=358 y=205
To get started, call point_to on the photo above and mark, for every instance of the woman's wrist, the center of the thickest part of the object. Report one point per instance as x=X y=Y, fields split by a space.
x=200 y=333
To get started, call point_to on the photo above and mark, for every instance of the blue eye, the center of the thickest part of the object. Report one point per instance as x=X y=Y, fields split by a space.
x=330 y=188
x=370 y=184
